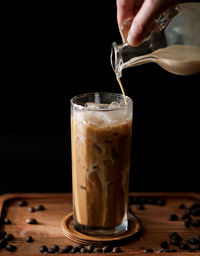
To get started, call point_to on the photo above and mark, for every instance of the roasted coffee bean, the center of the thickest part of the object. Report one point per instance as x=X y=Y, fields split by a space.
x=164 y=245
x=43 y=248
x=171 y=250
x=192 y=250
x=97 y=250
x=31 y=221
x=107 y=249
x=185 y=216
x=9 y=237
x=195 y=205
x=31 y=209
x=147 y=250
x=116 y=250
x=22 y=203
x=40 y=208
x=29 y=239
x=3 y=243
x=6 y=221
x=140 y=207
x=2 y=234
x=181 y=206
x=161 y=202
x=192 y=240
x=188 y=211
x=187 y=223
x=153 y=200
x=76 y=249
x=197 y=247
x=184 y=247
x=161 y=250
x=11 y=248
x=66 y=249
x=173 y=217
x=54 y=248
x=175 y=235
x=83 y=250
x=90 y=248
x=196 y=212
x=174 y=241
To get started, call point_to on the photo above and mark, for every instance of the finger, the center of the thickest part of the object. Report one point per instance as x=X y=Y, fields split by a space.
x=125 y=10
x=145 y=19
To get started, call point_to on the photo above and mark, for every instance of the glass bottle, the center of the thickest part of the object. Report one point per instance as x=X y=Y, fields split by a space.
x=174 y=45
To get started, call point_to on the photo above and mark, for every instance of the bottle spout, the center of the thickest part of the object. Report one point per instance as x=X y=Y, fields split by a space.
x=116 y=59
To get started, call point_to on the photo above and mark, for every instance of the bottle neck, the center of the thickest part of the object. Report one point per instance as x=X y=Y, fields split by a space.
x=122 y=55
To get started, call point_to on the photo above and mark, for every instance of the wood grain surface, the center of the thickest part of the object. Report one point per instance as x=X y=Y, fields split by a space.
x=48 y=231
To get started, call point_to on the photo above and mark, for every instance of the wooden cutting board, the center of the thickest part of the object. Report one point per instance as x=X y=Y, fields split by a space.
x=48 y=231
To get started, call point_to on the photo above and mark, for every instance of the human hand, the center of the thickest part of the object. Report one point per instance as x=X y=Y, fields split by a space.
x=143 y=14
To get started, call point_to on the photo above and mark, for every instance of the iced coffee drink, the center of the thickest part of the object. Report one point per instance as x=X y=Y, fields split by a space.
x=101 y=127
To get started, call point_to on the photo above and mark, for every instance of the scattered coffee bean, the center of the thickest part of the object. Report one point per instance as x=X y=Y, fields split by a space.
x=161 y=250
x=31 y=209
x=188 y=211
x=66 y=249
x=43 y=248
x=40 y=208
x=175 y=235
x=185 y=216
x=171 y=250
x=3 y=243
x=54 y=248
x=164 y=245
x=181 y=206
x=29 y=239
x=11 y=248
x=90 y=248
x=196 y=212
x=6 y=221
x=97 y=250
x=116 y=250
x=9 y=237
x=187 y=223
x=161 y=202
x=147 y=250
x=173 y=217
x=107 y=249
x=184 y=247
x=83 y=250
x=2 y=234
x=140 y=207
x=31 y=221
x=22 y=203
x=174 y=241
x=197 y=247
x=153 y=200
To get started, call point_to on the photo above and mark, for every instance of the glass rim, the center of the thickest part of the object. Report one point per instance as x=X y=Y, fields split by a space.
x=80 y=107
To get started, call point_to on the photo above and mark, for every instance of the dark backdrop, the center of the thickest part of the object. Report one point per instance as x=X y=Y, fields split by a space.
x=53 y=52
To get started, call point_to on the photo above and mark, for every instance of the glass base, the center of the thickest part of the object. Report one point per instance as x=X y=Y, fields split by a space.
x=101 y=231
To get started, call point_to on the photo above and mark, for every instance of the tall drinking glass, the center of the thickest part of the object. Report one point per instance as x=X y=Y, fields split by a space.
x=101 y=128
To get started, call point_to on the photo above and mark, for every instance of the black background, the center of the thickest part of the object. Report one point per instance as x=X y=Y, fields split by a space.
x=52 y=52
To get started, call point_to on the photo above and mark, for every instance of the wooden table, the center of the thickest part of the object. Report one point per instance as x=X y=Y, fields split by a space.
x=48 y=231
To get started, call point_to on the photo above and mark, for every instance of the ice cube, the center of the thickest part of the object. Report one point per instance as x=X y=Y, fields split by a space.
x=114 y=105
x=96 y=106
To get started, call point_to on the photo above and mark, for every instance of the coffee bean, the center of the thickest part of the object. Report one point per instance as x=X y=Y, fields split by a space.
x=173 y=217
x=66 y=249
x=107 y=249
x=153 y=200
x=171 y=250
x=3 y=243
x=181 y=206
x=29 y=239
x=164 y=245
x=11 y=248
x=31 y=209
x=184 y=247
x=175 y=235
x=161 y=202
x=54 y=248
x=2 y=234
x=161 y=250
x=9 y=237
x=116 y=250
x=31 y=221
x=185 y=216
x=83 y=250
x=6 y=221
x=174 y=241
x=140 y=207
x=22 y=203
x=40 y=208
x=43 y=248
x=90 y=248
x=148 y=250
x=188 y=211
x=196 y=212
x=187 y=223
x=197 y=247
x=97 y=250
